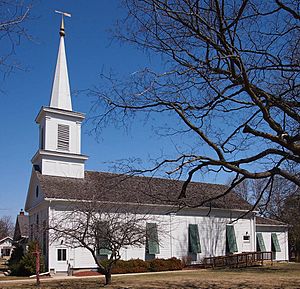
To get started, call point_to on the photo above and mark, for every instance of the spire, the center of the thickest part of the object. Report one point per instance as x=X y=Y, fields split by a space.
x=61 y=96
x=62 y=27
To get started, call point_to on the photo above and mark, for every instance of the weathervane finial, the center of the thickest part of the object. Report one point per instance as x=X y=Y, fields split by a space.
x=62 y=26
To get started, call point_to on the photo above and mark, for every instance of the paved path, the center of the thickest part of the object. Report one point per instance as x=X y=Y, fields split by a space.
x=65 y=277
x=47 y=279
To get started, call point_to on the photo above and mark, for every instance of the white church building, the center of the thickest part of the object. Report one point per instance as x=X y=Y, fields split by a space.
x=59 y=177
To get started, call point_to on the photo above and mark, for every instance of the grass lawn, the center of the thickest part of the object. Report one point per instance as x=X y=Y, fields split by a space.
x=276 y=276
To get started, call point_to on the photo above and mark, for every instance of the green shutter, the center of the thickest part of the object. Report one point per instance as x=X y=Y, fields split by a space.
x=260 y=242
x=194 y=240
x=230 y=238
x=275 y=242
x=152 y=245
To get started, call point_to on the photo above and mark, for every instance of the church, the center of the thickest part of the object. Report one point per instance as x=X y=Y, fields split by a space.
x=219 y=227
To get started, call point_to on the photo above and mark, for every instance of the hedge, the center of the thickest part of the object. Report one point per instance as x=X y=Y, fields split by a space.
x=171 y=264
x=139 y=266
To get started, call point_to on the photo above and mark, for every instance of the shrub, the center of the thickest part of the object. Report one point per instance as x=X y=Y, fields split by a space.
x=157 y=265
x=174 y=264
x=130 y=266
x=186 y=260
x=171 y=264
x=140 y=266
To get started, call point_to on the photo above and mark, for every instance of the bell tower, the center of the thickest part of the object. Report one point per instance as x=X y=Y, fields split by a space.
x=59 y=152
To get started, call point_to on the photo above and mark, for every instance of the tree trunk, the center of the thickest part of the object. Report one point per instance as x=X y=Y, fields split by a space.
x=108 y=277
x=297 y=252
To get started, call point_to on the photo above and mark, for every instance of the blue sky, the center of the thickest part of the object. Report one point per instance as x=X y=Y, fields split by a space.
x=89 y=52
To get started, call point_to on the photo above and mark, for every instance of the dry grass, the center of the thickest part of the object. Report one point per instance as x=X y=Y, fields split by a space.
x=277 y=276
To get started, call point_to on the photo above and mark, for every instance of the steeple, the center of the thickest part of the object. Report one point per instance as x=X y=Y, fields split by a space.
x=59 y=153
x=61 y=96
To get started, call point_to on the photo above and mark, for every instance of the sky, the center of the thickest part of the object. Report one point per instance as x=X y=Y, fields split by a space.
x=90 y=50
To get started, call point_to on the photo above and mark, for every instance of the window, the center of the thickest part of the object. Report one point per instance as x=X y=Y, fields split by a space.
x=102 y=238
x=63 y=137
x=231 y=246
x=103 y=250
x=260 y=243
x=61 y=254
x=5 y=252
x=246 y=238
x=152 y=245
x=42 y=138
x=103 y=247
x=194 y=240
x=37 y=191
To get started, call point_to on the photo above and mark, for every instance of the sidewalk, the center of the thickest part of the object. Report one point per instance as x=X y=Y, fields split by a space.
x=47 y=279
x=62 y=276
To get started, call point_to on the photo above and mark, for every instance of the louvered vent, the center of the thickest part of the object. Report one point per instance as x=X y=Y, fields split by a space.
x=63 y=137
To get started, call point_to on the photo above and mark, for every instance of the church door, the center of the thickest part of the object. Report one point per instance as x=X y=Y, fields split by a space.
x=61 y=260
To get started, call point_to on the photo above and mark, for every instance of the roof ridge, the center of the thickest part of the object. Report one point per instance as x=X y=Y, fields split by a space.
x=154 y=177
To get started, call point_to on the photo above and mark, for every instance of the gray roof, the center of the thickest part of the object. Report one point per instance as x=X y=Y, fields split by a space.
x=110 y=187
x=5 y=238
x=267 y=221
x=22 y=227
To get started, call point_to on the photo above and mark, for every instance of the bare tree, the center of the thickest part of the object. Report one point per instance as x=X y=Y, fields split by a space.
x=104 y=229
x=229 y=85
x=267 y=197
x=290 y=213
x=6 y=227
x=281 y=202
x=13 y=18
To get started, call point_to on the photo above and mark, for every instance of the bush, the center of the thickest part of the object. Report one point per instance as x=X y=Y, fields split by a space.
x=171 y=264
x=186 y=261
x=174 y=264
x=130 y=266
x=140 y=266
